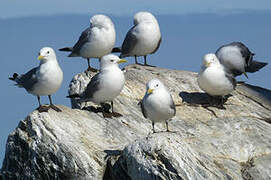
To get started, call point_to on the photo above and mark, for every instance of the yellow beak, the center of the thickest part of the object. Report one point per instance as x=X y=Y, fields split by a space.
x=122 y=61
x=207 y=64
x=40 y=57
x=149 y=91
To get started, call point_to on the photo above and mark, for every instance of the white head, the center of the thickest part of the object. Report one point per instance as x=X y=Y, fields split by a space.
x=153 y=86
x=210 y=60
x=47 y=54
x=144 y=16
x=110 y=60
x=101 y=21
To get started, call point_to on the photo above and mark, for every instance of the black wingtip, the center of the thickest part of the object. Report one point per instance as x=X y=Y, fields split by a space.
x=14 y=76
x=255 y=66
x=116 y=50
x=73 y=96
x=69 y=49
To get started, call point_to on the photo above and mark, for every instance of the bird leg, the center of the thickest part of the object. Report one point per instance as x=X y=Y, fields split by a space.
x=167 y=126
x=90 y=68
x=153 y=130
x=53 y=106
x=42 y=108
x=145 y=62
x=136 y=60
x=115 y=114
x=105 y=110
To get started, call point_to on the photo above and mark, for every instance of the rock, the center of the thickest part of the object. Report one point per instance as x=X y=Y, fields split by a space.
x=205 y=142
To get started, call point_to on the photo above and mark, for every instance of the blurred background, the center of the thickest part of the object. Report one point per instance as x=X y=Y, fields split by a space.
x=190 y=29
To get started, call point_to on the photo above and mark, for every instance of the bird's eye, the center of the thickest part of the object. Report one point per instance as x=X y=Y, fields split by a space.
x=48 y=52
x=156 y=85
x=111 y=60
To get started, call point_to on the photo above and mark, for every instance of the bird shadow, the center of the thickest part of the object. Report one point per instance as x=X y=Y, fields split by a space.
x=104 y=108
x=203 y=99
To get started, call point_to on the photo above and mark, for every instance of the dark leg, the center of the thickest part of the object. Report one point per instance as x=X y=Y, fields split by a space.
x=153 y=127
x=136 y=60
x=41 y=108
x=105 y=111
x=52 y=105
x=115 y=114
x=39 y=101
x=167 y=126
x=90 y=68
x=145 y=62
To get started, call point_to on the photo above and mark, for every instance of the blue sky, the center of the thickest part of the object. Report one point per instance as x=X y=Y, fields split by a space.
x=19 y=8
x=186 y=38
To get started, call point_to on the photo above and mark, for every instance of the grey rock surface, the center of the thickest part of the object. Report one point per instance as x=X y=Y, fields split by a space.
x=205 y=142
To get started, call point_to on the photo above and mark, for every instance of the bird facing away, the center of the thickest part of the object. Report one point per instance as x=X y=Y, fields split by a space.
x=213 y=79
x=238 y=59
x=43 y=80
x=106 y=85
x=157 y=104
x=142 y=39
x=95 y=41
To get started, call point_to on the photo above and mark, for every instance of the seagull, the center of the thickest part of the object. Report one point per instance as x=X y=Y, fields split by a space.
x=43 y=80
x=213 y=79
x=238 y=59
x=157 y=104
x=95 y=41
x=142 y=39
x=106 y=85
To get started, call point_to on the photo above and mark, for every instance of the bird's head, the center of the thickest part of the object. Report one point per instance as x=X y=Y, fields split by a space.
x=111 y=60
x=46 y=54
x=210 y=59
x=101 y=21
x=144 y=16
x=154 y=85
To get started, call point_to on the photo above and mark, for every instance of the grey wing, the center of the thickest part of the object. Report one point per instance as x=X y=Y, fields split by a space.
x=231 y=78
x=92 y=87
x=172 y=105
x=143 y=110
x=247 y=55
x=28 y=80
x=128 y=43
x=81 y=41
x=158 y=45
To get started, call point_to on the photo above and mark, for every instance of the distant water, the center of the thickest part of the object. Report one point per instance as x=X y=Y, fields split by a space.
x=186 y=38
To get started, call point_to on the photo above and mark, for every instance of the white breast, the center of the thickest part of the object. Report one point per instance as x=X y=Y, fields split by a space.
x=213 y=81
x=50 y=78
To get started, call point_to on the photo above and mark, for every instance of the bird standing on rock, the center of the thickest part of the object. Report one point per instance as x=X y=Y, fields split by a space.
x=142 y=39
x=106 y=85
x=96 y=41
x=214 y=79
x=43 y=80
x=238 y=59
x=157 y=104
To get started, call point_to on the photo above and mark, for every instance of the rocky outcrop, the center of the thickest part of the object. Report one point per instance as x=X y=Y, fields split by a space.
x=205 y=142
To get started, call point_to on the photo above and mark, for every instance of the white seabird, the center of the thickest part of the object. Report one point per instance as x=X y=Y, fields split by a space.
x=95 y=41
x=142 y=39
x=43 y=80
x=238 y=59
x=213 y=79
x=157 y=104
x=106 y=85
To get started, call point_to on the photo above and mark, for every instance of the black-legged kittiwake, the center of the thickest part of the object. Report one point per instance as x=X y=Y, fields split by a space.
x=96 y=41
x=238 y=59
x=43 y=80
x=142 y=39
x=214 y=79
x=157 y=104
x=106 y=85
